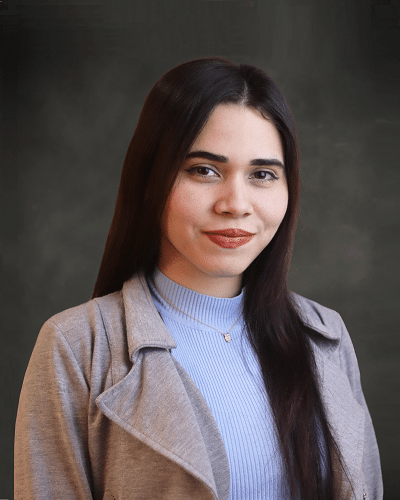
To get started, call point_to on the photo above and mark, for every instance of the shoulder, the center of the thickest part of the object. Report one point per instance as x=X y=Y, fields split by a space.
x=332 y=337
x=330 y=332
x=86 y=322
x=87 y=317
x=90 y=335
x=318 y=317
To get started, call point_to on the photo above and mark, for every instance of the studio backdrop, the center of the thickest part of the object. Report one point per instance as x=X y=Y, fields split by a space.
x=74 y=78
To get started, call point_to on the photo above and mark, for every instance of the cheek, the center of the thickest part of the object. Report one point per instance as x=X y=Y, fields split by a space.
x=276 y=207
x=282 y=207
x=181 y=212
x=188 y=201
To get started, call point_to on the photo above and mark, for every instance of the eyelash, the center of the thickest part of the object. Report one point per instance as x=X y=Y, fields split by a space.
x=195 y=171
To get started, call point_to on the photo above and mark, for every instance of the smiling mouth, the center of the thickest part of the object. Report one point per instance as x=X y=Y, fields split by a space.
x=231 y=233
x=225 y=240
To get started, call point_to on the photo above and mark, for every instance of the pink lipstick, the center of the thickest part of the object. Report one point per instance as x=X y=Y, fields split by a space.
x=229 y=238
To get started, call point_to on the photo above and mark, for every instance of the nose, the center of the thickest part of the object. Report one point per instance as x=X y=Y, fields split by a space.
x=234 y=199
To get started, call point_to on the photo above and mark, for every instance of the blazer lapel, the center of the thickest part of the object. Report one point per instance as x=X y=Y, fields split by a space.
x=157 y=401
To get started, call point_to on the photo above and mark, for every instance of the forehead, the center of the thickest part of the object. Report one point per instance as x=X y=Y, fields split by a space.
x=238 y=130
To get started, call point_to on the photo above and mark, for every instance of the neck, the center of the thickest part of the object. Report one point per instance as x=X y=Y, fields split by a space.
x=214 y=286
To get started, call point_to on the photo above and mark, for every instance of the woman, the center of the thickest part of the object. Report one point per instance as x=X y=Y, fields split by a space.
x=194 y=373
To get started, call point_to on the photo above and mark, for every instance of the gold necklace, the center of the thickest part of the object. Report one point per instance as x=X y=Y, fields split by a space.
x=227 y=337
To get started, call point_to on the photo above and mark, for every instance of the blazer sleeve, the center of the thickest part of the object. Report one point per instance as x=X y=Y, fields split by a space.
x=371 y=461
x=51 y=434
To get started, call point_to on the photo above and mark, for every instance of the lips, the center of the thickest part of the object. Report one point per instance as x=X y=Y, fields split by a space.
x=229 y=238
x=231 y=233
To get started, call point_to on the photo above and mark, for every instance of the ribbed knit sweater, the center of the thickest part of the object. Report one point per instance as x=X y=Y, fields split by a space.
x=228 y=376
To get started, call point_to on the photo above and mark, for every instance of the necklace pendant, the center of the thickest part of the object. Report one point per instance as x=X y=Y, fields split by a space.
x=227 y=337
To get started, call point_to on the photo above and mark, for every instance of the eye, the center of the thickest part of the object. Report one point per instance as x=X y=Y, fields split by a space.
x=202 y=171
x=265 y=175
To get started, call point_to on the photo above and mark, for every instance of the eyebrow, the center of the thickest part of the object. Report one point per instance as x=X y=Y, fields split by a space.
x=258 y=162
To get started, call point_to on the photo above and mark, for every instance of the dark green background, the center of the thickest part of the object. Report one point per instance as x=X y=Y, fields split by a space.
x=74 y=77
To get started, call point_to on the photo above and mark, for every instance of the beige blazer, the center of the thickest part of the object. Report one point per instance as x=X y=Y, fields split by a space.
x=106 y=412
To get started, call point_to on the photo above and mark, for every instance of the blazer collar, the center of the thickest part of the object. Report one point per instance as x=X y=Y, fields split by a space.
x=144 y=325
x=311 y=317
x=146 y=330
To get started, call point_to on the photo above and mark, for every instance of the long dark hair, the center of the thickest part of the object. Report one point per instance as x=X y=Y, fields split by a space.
x=173 y=115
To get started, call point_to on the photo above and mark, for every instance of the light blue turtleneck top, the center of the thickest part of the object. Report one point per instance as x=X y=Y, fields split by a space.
x=228 y=376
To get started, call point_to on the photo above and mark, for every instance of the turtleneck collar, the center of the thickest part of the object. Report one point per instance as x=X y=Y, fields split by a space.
x=218 y=312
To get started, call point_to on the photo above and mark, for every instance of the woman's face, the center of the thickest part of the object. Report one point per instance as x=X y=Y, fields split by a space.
x=232 y=180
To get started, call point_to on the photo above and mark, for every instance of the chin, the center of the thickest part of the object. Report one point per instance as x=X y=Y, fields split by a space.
x=219 y=271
